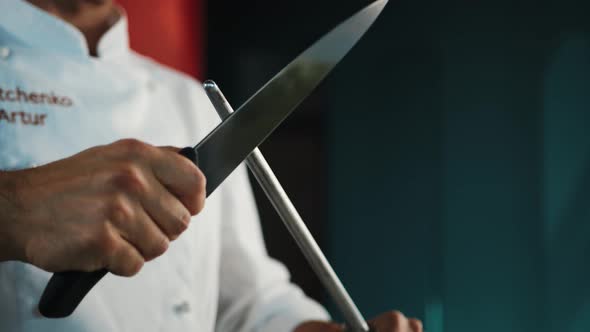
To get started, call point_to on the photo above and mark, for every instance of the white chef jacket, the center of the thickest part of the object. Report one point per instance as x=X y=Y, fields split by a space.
x=56 y=100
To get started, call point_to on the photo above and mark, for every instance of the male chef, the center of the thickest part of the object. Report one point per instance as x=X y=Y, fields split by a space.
x=90 y=179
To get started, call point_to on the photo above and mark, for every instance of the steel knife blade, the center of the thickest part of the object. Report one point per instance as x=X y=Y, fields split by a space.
x=226 y=146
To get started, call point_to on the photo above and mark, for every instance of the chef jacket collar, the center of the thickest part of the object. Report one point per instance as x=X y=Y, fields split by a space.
x=39 y=29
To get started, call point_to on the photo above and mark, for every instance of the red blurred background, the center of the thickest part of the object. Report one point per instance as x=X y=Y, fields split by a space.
x=172 y=32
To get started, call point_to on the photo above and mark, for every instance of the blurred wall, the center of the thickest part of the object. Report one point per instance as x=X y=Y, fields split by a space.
x=385 y=133
x=459 y=167
x=566 y=175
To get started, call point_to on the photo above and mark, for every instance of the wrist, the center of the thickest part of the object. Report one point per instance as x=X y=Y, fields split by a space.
x=11 y=248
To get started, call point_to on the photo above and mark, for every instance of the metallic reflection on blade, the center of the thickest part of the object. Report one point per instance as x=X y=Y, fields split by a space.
x=229 y=144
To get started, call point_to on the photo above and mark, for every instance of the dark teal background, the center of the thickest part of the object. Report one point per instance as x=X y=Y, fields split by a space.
x=444 y=166
x=459 y=144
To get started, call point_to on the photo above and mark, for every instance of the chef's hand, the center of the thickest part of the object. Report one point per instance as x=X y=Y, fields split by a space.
x=393 y=321
x=114 y=206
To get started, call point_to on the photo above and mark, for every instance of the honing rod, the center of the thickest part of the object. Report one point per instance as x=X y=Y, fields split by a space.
x=292 y=220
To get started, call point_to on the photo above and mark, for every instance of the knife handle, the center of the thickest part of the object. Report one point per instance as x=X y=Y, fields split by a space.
x=65 y=290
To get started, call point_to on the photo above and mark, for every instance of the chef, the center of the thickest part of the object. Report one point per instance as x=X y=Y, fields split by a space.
x=90 y=178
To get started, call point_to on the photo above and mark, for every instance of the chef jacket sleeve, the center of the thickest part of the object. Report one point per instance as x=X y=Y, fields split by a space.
x=255 y=291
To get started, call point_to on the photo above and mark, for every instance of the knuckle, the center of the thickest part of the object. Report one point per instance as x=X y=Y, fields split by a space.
x=200 y=202
x=105 y=243
x=199 y=195
x=135 y=267
x=131 y=265
x=181 y=160
x=128 y=176
x=202 y=182
x=396 y=318
x=416 y=325
x=132 y=147
x=184 y=221
x=157 y=248
x=195 y=203
x=120 y=210
x=181 y=226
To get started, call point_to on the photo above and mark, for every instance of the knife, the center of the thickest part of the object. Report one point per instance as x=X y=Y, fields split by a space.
x=226 y=146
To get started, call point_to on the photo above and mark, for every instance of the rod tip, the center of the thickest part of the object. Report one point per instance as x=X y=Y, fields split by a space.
x=209 y=84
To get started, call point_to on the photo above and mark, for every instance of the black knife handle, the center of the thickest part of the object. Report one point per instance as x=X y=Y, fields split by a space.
x=65 y=290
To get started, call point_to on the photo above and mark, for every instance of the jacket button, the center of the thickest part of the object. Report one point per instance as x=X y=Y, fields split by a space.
x=182 y=308
x=4 y=52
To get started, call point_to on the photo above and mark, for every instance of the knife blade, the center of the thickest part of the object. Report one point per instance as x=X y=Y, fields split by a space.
x=226 y=146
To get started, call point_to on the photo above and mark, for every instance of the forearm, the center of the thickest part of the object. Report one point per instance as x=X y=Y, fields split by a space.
x=8 y=218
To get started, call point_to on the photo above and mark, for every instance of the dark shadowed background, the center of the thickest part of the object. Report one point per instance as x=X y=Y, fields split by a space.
x=444 y=166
